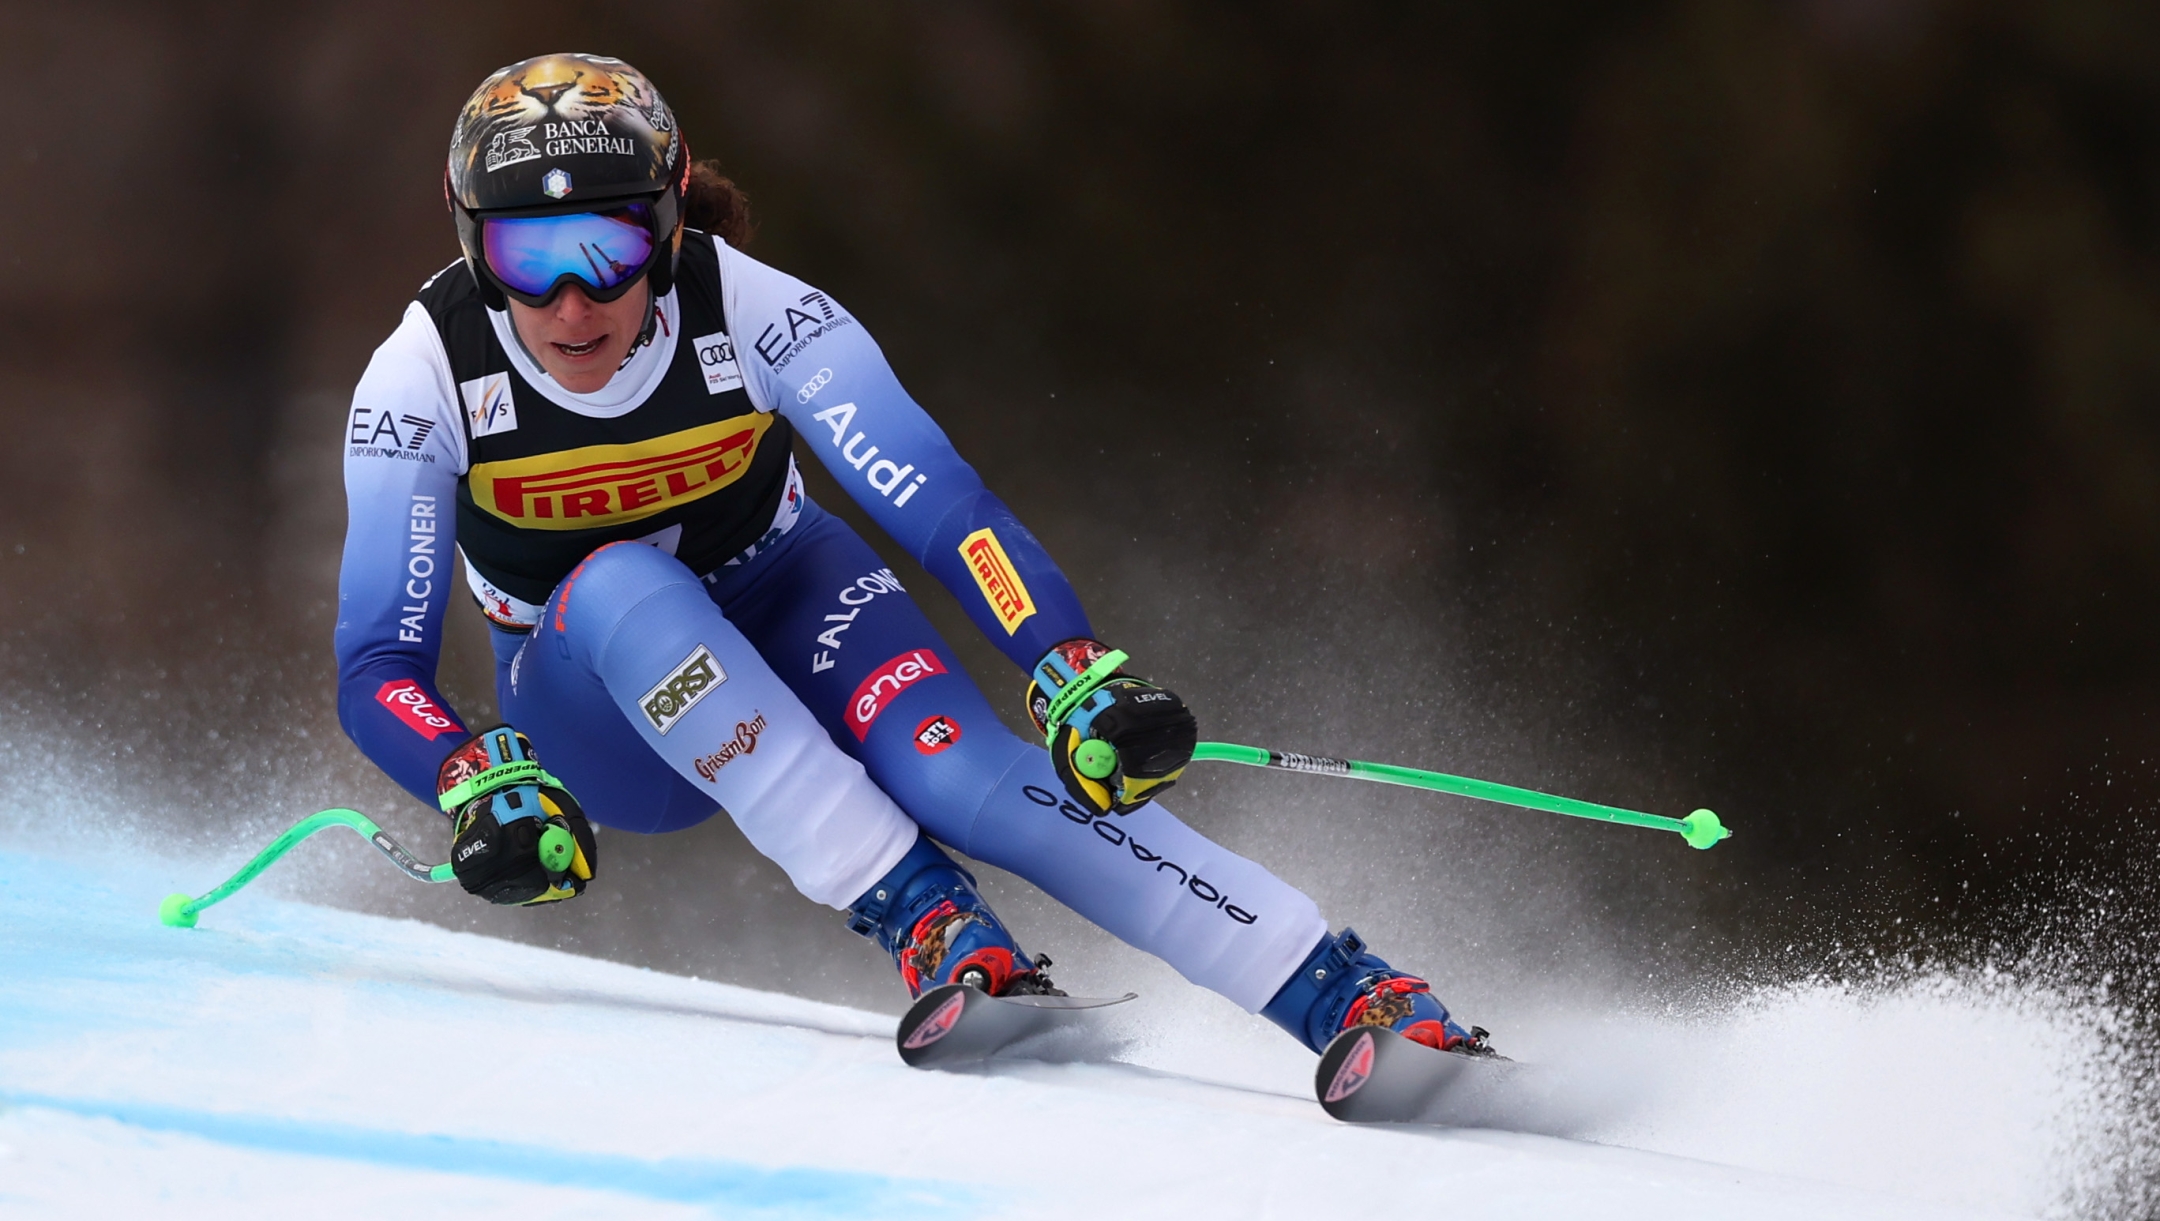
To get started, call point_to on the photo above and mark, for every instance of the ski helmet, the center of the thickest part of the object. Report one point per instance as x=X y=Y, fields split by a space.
x=559 y=135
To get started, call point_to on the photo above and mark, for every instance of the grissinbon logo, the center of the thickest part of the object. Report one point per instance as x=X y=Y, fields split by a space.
x=602 y=485
x=1001 y=586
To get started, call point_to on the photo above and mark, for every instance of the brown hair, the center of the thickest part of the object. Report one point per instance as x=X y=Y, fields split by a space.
x=715 y=204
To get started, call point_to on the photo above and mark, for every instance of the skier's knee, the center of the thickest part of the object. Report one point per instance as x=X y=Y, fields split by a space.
x=626 y=567
x=612 y=580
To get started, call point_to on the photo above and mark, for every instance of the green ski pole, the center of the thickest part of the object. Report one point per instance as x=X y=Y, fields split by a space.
x=1700 y=829
x=557 y=847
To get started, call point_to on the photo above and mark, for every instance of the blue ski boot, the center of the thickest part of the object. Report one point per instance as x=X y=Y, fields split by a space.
x=926 y=914
x=1343 y=985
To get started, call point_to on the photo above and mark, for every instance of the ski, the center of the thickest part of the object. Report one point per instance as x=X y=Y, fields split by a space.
x=1372 y=1075
x=960 y=1024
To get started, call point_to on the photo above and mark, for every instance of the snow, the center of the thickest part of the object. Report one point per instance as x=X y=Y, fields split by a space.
x=289 y=1060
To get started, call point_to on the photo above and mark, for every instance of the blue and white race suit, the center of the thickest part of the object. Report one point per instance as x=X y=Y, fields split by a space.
x=679 y=630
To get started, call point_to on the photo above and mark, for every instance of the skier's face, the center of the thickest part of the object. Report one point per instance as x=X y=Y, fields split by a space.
x=578 y=341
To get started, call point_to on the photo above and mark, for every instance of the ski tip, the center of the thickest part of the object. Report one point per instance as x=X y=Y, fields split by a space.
x=1370 y=1074
x=175 y=911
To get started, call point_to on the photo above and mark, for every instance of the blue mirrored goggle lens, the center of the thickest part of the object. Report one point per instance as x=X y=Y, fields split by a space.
x=602 y=249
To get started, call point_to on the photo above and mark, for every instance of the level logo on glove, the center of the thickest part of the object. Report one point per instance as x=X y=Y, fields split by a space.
x=518 y=837
x=1116 y=741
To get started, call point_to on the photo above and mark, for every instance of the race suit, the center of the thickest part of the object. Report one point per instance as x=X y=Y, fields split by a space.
x=680 y=630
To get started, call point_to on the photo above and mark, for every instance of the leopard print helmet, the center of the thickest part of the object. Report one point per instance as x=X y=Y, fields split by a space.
x=559 y=133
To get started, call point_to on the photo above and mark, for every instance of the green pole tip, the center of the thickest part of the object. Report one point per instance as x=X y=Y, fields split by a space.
x=1096 y=759
x=174 y=913
x=557 y=849
x=1702 y=829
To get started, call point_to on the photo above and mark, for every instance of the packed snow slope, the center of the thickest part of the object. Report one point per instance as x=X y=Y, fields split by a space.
x=285 y=1060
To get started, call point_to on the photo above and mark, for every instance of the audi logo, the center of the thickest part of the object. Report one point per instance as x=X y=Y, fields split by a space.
x=721 y=353
x=811 y=387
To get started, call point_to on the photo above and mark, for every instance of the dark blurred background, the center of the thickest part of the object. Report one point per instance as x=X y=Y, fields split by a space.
x=1749 y=405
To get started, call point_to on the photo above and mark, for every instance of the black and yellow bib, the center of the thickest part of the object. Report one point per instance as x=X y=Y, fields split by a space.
x=545 y=486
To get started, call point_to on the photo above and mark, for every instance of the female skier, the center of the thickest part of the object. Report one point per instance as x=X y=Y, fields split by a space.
x=598 y=405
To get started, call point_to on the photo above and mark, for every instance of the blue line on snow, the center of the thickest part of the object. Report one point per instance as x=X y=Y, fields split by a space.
x=799 y=1191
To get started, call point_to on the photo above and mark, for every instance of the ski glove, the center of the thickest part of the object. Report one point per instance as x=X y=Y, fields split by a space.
x=517 y=836
x=1116 y=741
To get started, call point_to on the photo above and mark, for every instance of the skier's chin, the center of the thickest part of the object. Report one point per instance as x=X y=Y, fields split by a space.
x=580 y=342
x=582 y=368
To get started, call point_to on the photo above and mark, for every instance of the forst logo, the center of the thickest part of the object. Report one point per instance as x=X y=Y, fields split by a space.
x=408 y=703
x=886 y=682
x=696 y=677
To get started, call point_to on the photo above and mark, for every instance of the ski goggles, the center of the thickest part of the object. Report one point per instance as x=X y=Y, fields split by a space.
x=603 y=251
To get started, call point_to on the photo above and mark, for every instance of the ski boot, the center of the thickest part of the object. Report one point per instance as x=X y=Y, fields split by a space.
x=1343 y=985
x=926 y=914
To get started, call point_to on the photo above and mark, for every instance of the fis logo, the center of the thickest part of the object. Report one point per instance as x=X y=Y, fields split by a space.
x=716 y=360
x=993 y=572
x=608 y=485
x=691 y=681
x=884 y=684
x=488 y=405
